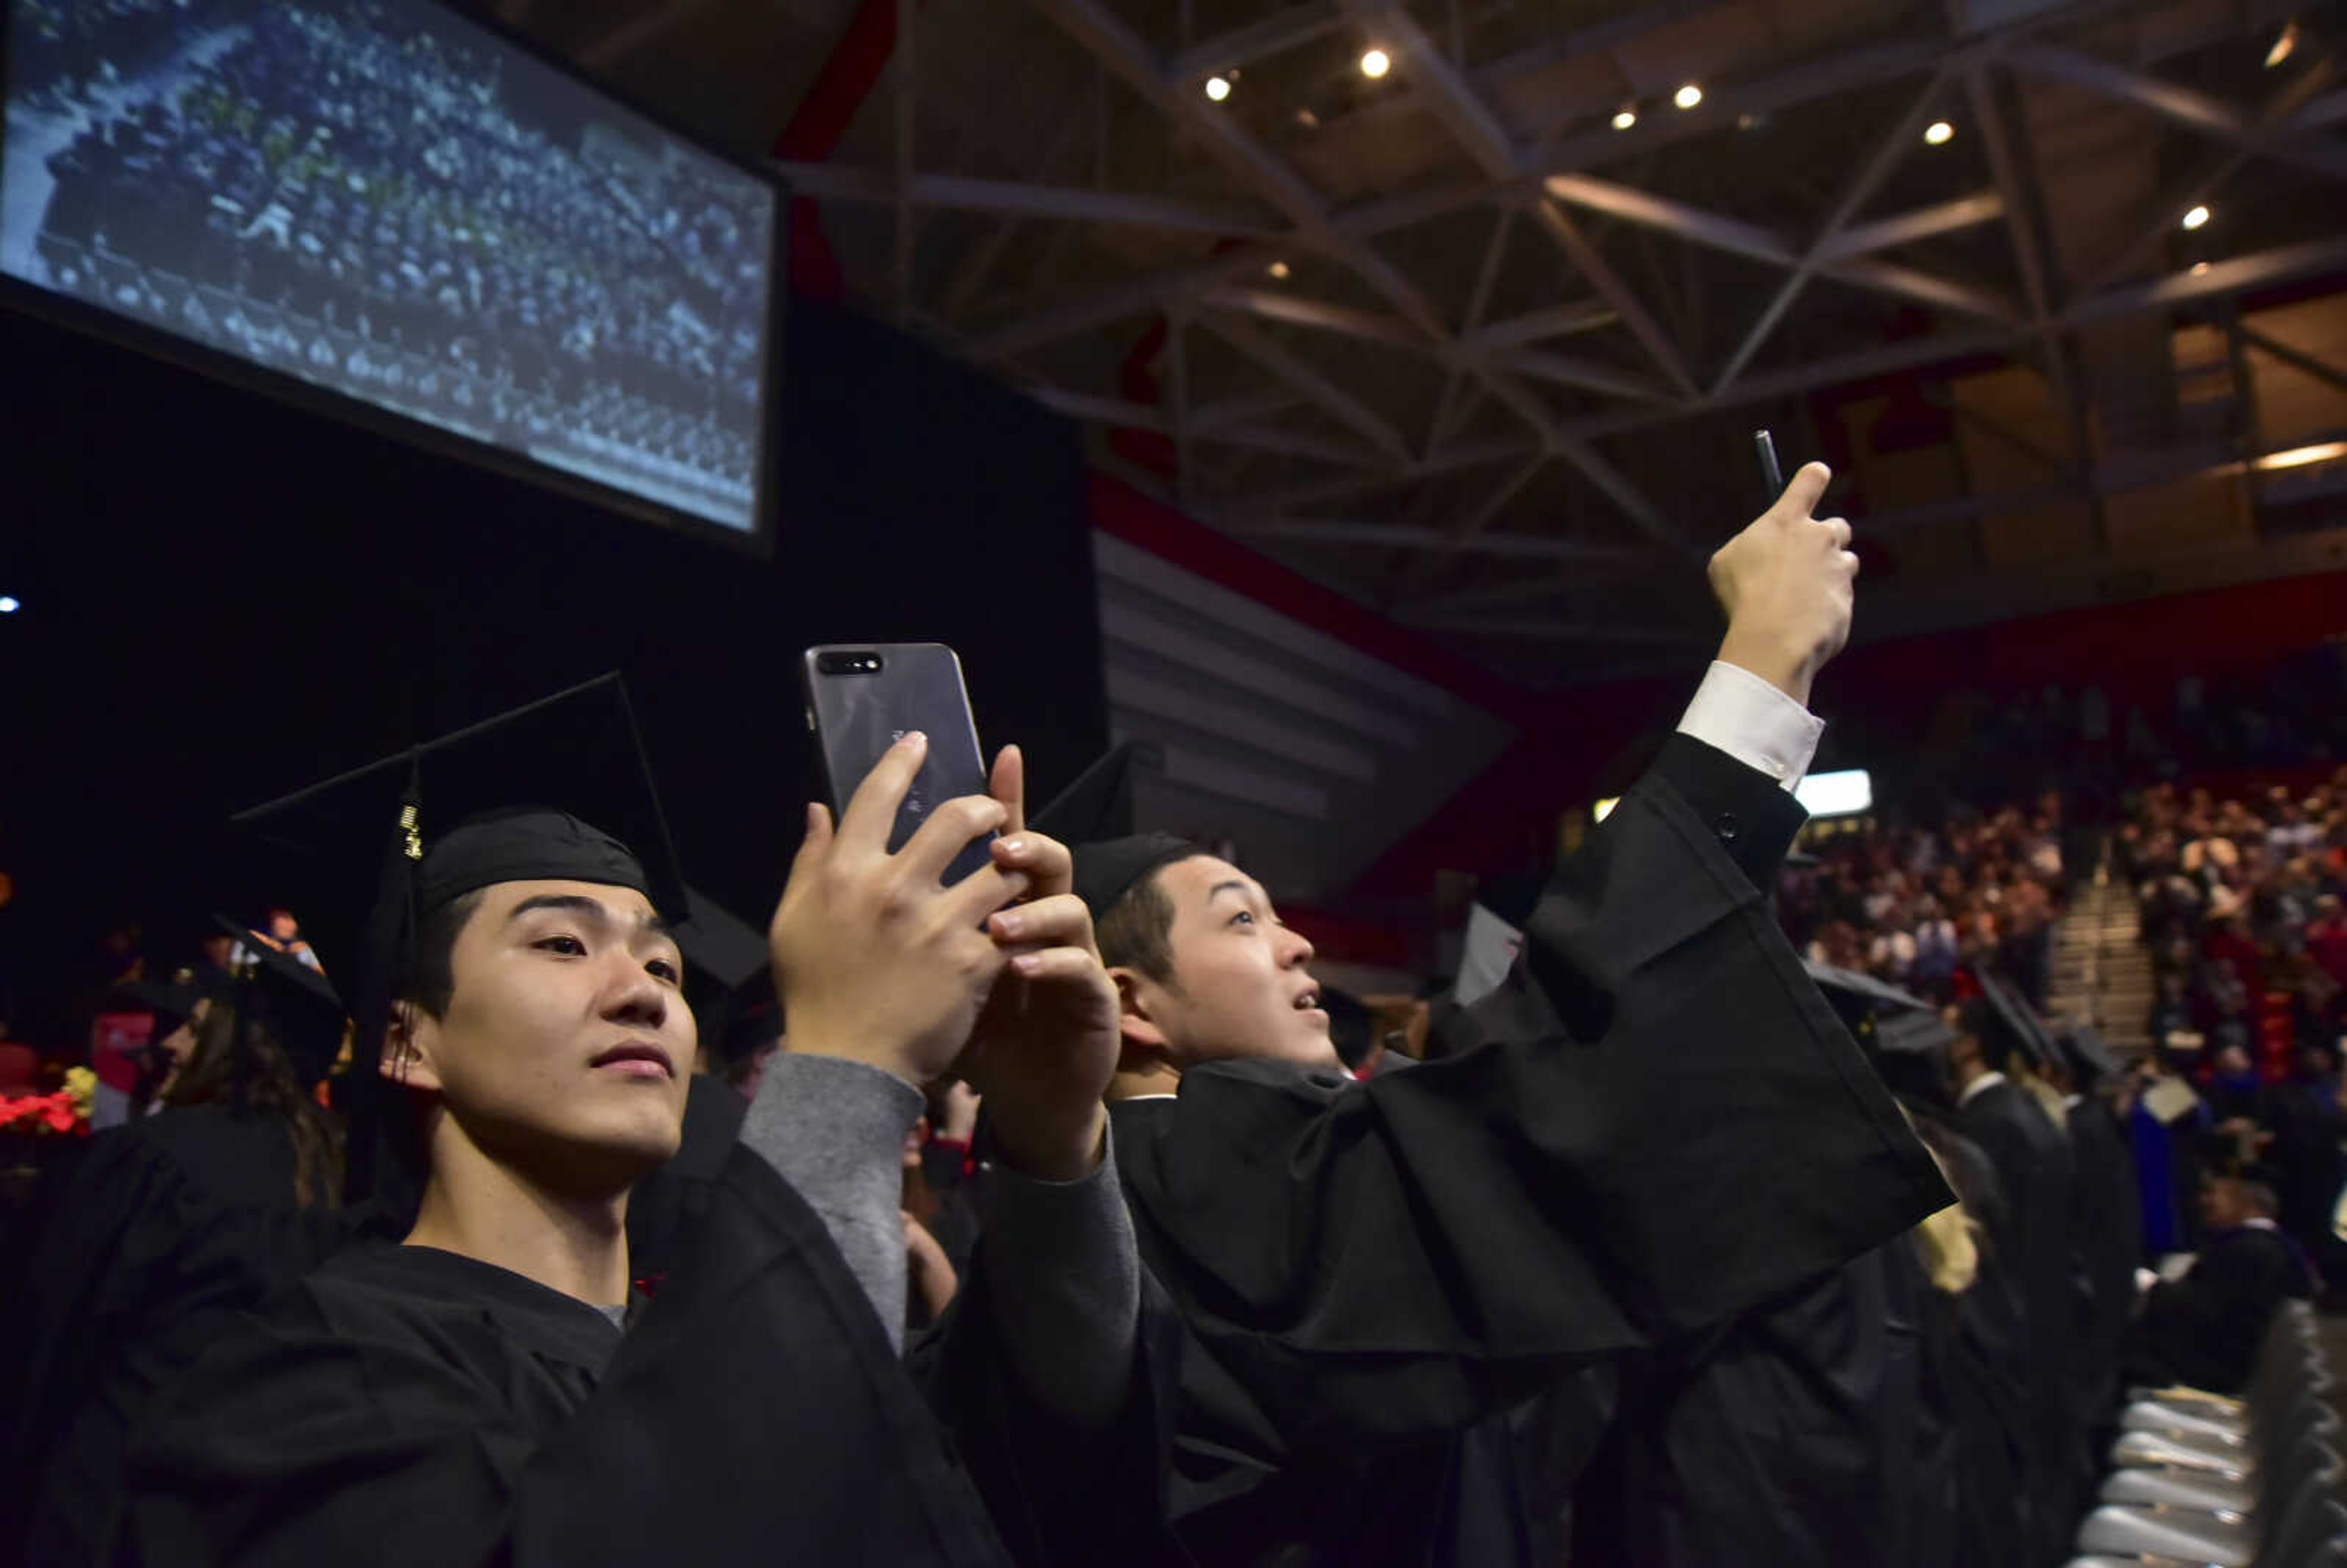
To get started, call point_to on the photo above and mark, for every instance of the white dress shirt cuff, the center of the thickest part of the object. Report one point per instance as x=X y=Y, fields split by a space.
x=1737 y=712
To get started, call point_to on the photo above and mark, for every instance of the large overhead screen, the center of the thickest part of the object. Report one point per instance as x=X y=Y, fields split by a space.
x=386 y=200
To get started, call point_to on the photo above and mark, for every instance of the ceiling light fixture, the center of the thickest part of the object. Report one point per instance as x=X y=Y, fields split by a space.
x=1219 y=87
x=1376 y=63
x=2284 y=47
x=1938 y=133
x=1625 y=118
x=2200 y=269
x=1278 y=269
x=2300 y=457
x=2195 y=218
x=1687 y=97
x=10 y=604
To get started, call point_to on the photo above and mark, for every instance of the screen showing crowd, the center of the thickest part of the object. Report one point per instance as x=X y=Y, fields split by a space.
x=386 y=200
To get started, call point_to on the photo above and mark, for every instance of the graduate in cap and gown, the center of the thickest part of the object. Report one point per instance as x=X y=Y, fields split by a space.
x=1653 y=1125
x=172 y=1223
x=2106 y=1223
x=492 y=1389
x=1996 y=1031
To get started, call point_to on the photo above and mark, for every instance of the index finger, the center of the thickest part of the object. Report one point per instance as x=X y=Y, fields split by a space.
x=1801 y=495
x=871 y=813
x=1007 y=784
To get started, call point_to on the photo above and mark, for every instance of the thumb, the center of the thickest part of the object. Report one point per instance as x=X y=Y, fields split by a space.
x=1804 y=491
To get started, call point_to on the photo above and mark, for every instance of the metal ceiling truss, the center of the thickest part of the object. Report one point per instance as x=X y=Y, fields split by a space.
x=1545 y=183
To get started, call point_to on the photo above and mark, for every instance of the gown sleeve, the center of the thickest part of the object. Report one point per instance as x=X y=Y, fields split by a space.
x=1655 y=1121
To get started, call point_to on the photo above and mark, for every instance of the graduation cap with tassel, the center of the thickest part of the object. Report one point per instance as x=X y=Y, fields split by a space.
x=554 y=789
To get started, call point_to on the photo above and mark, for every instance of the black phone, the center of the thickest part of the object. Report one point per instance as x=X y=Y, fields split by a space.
x=1772 y=476
x=862 y=698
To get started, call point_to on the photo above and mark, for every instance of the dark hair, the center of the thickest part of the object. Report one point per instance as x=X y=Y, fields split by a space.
x=267 y=1084
x=1137 y=932
x=431 y=978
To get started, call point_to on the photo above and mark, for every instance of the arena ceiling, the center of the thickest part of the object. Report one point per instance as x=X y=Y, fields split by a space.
x=1481 y=341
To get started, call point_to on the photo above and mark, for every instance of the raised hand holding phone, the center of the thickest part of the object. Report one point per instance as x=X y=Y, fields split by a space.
x=1788 y=585
x=878 y=960
x=1045 y=1045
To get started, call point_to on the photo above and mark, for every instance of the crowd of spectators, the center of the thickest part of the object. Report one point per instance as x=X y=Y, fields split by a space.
x=2241 y=909
x=2241 y=896
x=1911 y=905
x=354 y=193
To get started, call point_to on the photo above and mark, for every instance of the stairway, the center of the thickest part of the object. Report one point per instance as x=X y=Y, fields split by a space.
x=2102 y=972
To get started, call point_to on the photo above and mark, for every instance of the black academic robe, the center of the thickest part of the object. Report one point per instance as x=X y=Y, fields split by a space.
x=1656 y=1123
x=405 y=1405
x=1976 y=1346
x=2032 y=1161
x=1796 y=1434
x=162 y=1232
x=2106 y=1229
x=2204 y=1330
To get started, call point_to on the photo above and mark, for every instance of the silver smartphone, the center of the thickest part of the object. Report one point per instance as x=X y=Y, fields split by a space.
x=863 y=697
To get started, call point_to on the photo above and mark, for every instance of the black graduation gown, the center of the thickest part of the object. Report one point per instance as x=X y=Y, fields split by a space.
x=401 y=1404
x=1978 y=1339
x=165 y=1229
x=2106 y=1228
x=2204 y=1330
x=664 y=1207
x=1795 y=1435
x=2032 y=1161
x=1655 y=1123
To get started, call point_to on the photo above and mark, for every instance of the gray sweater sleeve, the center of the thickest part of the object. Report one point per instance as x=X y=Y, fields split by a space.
x=835 y=1130
x=1059 y=1257
x=1061 y=1262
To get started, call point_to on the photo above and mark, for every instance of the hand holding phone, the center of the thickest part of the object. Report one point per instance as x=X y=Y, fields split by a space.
x=877 y=960
x=862 y=699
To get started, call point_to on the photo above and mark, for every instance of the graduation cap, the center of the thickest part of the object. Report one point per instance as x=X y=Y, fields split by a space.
x=1093 y=816
x=1099 y=806
x=2016 y=1022
x=1902 y=1033
x=298 y=1005
x=172 y=1004
x=727 y=980
x=2088 y=1054
x=558 y=789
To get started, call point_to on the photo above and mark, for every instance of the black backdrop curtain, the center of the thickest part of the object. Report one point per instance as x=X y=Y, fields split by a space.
x=226 y=596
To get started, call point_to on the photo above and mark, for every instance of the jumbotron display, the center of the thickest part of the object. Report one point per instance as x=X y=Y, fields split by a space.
x=389 y=202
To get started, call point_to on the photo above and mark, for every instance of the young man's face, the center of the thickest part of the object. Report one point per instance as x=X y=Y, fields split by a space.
x=567 y=1045
x=1239 y=988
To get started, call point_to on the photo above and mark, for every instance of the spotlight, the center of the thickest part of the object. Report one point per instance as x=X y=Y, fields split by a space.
x=2195 y=218
x=1219 y=87
x=1939 y=132
x=1376 y=63
x=1626 y=119
x=10 y=604
x=1278 y=269
x=2284 y=47
x=1687 y=97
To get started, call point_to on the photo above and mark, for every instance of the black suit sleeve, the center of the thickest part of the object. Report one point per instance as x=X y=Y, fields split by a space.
x=1655 y=1123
